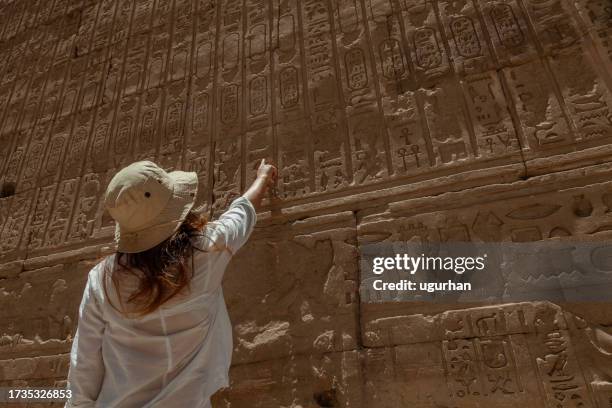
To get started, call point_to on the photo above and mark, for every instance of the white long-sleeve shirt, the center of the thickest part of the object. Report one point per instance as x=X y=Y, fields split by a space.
x=177 y=356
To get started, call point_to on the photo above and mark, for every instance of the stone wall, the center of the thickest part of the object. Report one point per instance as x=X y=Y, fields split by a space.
x=469 y=120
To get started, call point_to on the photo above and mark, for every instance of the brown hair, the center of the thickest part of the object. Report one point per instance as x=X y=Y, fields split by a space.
x=162 y=271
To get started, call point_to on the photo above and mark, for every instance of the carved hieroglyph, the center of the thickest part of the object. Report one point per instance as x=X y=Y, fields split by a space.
x=470 y=120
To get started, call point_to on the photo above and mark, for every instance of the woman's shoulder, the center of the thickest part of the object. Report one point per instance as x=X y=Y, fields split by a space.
x=105 y=263
x=102 y=270
x=209 y=237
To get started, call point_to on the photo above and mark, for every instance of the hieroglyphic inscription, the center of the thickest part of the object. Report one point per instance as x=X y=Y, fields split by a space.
x=228 y=142
x=588 y=100
x=58 y=141
x=122 y=140
x=564 y=384
x=340 y=94
x=295 y=157
x=481 y=368
x=495 y=133
x=466 y=39
x=172 y=139
x=508 y=32
x=148 y=124
x=368 y=139
x=35 y=232
x=62 y=209
x=182 y=33
x=259 y=111
x=201 y=117
x=541 y=115
x=35 y=156
x=12 y=231
x=98 y=150
x=429 y=56
x=86 y=207
x=327 y=122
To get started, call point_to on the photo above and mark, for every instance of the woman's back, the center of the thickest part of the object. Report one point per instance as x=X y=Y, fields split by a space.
x=177 y=355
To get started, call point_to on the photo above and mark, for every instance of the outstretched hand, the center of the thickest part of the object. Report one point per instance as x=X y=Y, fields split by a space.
x=266 y=177
x=267 y=172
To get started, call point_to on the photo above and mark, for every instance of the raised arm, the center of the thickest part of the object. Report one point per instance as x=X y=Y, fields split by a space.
x=235 y=225
x=266 y=176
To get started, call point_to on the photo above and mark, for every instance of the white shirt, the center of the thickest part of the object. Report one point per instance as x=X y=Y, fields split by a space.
x=177 y=356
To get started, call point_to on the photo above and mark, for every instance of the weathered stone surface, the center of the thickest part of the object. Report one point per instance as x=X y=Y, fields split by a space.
x=470 y=120
x=320 y=380
x=531 y=355
x=305 y=299
x=558 y=206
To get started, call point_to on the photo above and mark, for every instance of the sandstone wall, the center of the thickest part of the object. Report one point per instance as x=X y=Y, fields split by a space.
x=477 y=120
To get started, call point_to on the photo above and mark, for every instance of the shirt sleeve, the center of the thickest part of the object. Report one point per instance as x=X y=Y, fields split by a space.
x=86 y=370
x=237 y=223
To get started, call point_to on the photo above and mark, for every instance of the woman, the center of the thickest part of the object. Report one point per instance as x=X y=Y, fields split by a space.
x=153 y=327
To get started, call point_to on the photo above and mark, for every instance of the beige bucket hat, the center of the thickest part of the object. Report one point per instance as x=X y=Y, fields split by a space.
x=148 y=204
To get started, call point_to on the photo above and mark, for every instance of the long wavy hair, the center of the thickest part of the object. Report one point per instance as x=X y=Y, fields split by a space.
x=162 y=271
